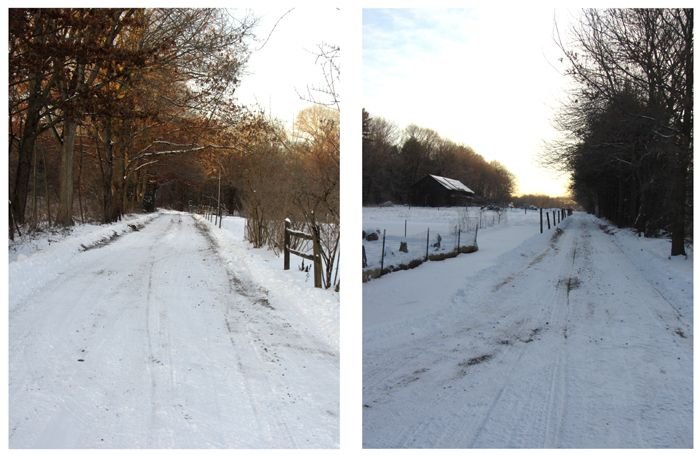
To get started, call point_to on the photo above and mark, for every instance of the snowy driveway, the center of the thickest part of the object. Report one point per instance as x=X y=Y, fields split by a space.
x=154 y=341
x=566 y=342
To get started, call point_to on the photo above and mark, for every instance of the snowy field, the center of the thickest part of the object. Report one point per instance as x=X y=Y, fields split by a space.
x=580 y=337
x=175 y=335
x=448 y=227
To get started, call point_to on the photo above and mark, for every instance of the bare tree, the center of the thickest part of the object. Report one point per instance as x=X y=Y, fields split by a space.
x=110 y=68
x=647 y=53
x=327 y=94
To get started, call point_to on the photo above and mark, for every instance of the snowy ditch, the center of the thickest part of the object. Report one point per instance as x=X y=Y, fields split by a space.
x=256 y=294
x=76 y=238
x=257 y=273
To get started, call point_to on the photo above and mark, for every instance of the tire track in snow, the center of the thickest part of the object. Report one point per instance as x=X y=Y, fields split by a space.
x=82 y=324
x=627 y=366
x=540 y=413
x=57 y=280
x=262 y=356
x=156 y=325
x=169 y=400
x=133 y=300
x=548 y=389
x=512 y=350
x=557 y=370
x=558 y=383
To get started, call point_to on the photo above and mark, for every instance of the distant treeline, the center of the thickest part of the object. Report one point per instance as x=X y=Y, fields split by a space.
x=393 y=160
x=546 y=202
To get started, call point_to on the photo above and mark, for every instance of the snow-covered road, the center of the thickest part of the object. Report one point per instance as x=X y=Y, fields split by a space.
x=158 y=341
x=573 y=339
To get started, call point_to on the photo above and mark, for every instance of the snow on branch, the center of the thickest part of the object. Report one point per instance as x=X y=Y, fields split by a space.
x=140 y=166
x=171 y=152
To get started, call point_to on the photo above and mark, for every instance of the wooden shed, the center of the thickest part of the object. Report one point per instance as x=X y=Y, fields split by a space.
x=436 y=191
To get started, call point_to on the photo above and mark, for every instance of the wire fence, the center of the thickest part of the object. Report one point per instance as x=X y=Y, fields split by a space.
x=416 y=235
x=557 y=216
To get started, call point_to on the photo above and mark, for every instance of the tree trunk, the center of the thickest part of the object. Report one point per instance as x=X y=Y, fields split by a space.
x=64 y=216
x=678 y=196
x=24 y=165
x=80 y=175
x=123 y=186
x=683 y=156
x=117 y=198
x=118 y=189
x=107 y=173
x=46 y=186
x=35 y=180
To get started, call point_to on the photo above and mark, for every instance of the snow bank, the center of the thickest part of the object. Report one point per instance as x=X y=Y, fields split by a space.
x=292 y=289
x=35 y=258
x=672 y=277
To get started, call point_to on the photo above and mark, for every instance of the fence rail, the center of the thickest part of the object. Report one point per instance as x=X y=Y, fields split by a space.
x=315 y=257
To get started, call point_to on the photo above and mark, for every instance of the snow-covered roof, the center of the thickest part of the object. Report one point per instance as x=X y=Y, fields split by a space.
x=452 y=184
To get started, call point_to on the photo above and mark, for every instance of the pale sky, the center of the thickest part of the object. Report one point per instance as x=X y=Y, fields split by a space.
x=488 y=78
x=281 y=69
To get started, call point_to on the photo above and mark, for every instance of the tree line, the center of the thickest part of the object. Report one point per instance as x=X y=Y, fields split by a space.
x=120 y=110
x=629 y=122
x=123 y=87
x=393 y=160
x=544 y=201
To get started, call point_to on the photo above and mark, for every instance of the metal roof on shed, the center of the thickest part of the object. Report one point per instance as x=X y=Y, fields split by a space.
x=452 y=184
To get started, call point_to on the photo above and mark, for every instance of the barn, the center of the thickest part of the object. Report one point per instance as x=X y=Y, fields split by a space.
x=436 y=191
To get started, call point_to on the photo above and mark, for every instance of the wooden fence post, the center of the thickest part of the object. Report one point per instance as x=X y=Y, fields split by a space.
x=287 y=227
x=459 y=233
x=427 y=242
x=317 y=256
x=381 y=266
x=548 y=225
x=541 y=225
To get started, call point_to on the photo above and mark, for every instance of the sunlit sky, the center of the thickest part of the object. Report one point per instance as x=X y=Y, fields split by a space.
x=280 y=70
x=488 y=78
